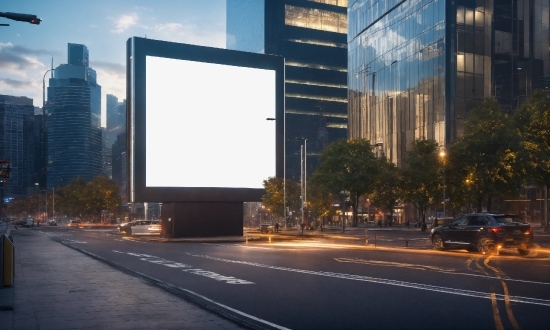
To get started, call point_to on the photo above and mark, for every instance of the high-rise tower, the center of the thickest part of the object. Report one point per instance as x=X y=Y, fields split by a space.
x=74 y=121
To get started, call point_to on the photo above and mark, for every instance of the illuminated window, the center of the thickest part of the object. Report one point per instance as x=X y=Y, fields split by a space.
x=316 y=66
x=316 y=19
x=460 y=62
x=319 y=42
x=339 y=3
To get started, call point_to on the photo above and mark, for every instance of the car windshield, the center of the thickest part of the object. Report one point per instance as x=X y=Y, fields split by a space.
x=504 y=219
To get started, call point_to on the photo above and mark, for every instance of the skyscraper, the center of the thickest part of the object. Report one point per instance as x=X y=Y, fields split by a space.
x=116 y=119
x=311 y=35
x=416 y=68
x=74 y=121
x=17 y=142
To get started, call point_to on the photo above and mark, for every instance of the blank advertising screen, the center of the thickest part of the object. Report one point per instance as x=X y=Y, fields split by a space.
x=203 y=124
x=206 y=124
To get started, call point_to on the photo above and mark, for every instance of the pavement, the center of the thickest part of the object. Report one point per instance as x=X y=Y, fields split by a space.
x=57 y=287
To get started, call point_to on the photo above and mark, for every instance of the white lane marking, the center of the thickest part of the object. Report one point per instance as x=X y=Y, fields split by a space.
x=432 y=268
x=196 y=271
x=74 y=242
x=468 y=293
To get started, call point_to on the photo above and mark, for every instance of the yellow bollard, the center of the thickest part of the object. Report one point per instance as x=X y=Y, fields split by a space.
x=8 y=261
x=269 y=239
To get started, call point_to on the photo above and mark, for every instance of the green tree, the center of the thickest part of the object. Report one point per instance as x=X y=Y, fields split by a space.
x=421 y=176
x=388 y=187
x=483 y=160
x=347 y=165
x=320 y=201
x=71 y=199
x=100 y=194
x=274 y=195
x=532 y=122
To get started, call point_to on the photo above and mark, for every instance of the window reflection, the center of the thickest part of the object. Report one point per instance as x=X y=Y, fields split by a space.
x=339 y=3
x=316 y=19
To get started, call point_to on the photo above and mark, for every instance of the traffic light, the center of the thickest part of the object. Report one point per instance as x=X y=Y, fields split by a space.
x=22 y=17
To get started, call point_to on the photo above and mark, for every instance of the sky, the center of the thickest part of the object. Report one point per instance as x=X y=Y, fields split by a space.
x=104 y=26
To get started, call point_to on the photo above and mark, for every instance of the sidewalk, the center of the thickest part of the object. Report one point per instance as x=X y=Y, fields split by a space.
x=57 y=287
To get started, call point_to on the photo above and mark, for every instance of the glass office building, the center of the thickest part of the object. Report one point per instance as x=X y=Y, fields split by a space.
x=311 y=36
x=74 y=123
x=17 y=143
x=416 y=68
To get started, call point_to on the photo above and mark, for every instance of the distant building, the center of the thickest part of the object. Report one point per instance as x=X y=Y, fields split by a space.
x=116 y=119
x=311 y=36
x=74 y=121
x=17 y=142
x=417 y=68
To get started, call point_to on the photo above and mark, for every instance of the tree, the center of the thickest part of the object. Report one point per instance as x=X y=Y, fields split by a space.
x=100 y=194
x=320 y=201
x=274 y=192
x=421 y=176
x=347 y=165
x=484 y=159
x=387 y=189
x=71 y=199
x=532 y=122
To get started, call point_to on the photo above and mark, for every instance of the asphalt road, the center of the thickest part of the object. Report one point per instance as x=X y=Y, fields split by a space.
x=317 y=283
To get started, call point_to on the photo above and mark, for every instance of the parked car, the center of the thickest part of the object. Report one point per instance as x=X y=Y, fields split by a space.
x=74 y=223
x=52 y=223
x=484 y=232
x=140 y=227
x=266 y=228
x=154 y=227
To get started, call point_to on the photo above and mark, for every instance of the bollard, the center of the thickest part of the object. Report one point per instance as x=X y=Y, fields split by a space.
x=8 y=263
x=269 y=239
x=246 y=240
x=366 y=237
x=406 y=243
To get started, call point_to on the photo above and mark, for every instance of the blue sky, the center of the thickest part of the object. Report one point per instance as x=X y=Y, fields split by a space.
x=26 y=50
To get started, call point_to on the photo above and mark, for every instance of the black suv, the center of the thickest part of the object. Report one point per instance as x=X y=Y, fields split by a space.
x=484 y=232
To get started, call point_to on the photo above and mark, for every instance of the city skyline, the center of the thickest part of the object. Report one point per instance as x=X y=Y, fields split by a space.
x=26 y=50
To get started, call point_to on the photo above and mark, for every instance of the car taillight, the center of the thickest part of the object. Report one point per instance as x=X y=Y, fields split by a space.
x=495 y=230
x=529 y=231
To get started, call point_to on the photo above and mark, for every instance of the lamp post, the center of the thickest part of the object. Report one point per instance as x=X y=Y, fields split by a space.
x=303 y=175
x=442 y=155
x=43 y=139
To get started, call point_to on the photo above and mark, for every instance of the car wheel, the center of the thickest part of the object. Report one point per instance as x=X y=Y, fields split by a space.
x=485 y=245
x=523 y=252
x=438 y=242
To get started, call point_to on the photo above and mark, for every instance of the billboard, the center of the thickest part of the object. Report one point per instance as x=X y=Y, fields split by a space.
x=203 y=124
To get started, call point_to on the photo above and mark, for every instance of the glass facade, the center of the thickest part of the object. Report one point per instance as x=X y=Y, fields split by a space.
x=17 y=143
x=416 y=68
x=311 y=36
x=74 y=125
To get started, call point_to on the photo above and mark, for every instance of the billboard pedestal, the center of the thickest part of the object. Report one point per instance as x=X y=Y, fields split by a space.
x=204 y=219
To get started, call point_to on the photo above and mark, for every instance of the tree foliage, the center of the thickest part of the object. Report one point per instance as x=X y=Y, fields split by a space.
x=422 y=181
x=388 y=186
x=483 y=160
x=347 y=165
x=274 y=192
x=532 y=122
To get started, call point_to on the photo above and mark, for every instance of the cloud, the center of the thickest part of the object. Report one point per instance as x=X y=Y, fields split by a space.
x=110 y=68
x=124 y=22
x=17 y=84
x=189 y=33
x=16 y=59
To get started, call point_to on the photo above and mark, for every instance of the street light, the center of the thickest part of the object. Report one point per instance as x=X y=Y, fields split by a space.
x=29 y=18
x=303 y=174
x=442 y=155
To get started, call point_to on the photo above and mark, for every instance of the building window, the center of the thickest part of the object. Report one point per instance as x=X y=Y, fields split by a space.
x=339 y=3
x=316 y=19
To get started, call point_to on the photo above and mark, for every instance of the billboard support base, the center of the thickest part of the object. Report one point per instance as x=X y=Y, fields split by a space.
x=202 y=219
